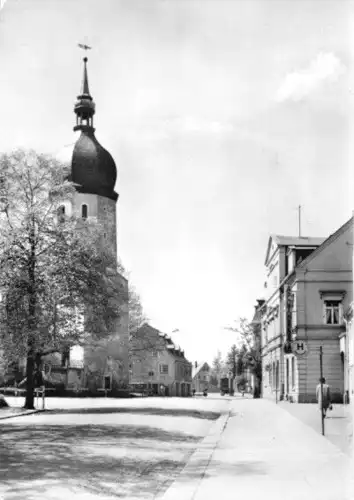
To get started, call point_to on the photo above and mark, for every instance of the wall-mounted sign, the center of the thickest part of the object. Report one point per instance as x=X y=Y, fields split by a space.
x=299 y=347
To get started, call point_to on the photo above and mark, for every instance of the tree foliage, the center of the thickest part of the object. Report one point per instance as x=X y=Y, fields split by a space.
x=136 y=313
x=57 y=279
x=248 y=353
x=232 y=360
x=217 y=368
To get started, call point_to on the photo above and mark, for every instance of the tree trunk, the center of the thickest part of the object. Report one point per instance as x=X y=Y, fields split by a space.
x=29 y=403
x=257 y=386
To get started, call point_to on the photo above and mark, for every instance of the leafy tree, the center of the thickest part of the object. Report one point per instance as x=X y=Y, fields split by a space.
x=136 y=313
x=232 y=359
x=217 y=367
x=249 y=355
x=140 y=345
x=214 y=381
x=241 y=363
x=58 y=282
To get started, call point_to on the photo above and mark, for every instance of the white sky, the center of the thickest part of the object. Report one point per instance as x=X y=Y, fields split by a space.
x=222 y=117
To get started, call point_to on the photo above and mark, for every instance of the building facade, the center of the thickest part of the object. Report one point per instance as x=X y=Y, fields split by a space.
x=347 y=353
x=157 y=365
x=282 y=256
x=321 y=292
x=316 y=307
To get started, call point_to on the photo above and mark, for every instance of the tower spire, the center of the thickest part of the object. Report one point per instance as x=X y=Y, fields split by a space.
x=84 y=107
x=85 y=86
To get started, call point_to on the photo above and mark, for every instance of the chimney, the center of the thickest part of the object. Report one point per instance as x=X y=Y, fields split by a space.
x=195 y=364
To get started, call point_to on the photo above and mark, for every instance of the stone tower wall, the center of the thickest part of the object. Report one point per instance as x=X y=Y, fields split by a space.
x=110 y=357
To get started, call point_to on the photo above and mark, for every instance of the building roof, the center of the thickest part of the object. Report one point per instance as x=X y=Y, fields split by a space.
x=195 y=370
x=93 y=169
x=300 y=241
x=297 y=240
x=257 y=317
x=173 y=349
x=326 y=243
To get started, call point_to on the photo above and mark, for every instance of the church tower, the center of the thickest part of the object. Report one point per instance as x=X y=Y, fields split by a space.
x=94 y=174
x=93 y=169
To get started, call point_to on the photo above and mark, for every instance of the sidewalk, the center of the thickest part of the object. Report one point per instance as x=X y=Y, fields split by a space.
x=338 y=423
x=266 y=452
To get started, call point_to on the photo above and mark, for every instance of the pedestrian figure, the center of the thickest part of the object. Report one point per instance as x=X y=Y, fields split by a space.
x=162 y=389
x=326 y=396
x=193 y=392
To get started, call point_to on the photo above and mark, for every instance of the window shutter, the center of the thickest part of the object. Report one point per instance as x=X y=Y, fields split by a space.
x=324 y=313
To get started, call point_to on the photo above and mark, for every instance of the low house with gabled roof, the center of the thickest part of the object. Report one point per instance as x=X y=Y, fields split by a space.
x=157 y=365
x=201 y=376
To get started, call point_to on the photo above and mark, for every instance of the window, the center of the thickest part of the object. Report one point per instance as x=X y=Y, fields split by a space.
x=154 y=354
x=332 y=312
x=84 y=211
x=164 y=369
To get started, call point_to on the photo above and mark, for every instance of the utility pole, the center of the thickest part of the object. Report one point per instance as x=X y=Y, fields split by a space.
x=321 y=375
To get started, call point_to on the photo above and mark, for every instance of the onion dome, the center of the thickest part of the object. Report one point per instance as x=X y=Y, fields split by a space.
x=93 y=169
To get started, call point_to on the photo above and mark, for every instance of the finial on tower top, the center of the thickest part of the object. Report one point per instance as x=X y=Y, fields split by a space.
x=84 y=46
x=84 y=107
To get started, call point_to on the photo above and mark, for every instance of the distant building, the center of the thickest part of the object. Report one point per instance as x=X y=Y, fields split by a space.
x=157 y=365
x=200 y=376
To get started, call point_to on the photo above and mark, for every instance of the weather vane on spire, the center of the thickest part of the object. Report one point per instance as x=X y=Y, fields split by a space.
x=84 y=46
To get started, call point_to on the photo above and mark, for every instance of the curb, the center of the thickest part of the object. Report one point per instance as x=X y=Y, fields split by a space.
x=22 y=414
x=184 y=487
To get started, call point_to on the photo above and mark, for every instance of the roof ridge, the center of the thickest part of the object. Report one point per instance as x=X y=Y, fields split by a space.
x=332 y=237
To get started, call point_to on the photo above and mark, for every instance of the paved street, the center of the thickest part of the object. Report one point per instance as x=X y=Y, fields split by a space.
x=138 y=449
x=126 y=448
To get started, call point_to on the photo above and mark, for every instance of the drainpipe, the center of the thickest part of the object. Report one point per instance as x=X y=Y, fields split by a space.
x=346 y=370
x=287 y=332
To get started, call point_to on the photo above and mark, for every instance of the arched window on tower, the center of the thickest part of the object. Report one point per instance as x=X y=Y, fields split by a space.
x=61 y=213
x=84 y=211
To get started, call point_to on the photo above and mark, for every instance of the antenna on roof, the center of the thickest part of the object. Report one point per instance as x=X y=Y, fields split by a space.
x=299 y=209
